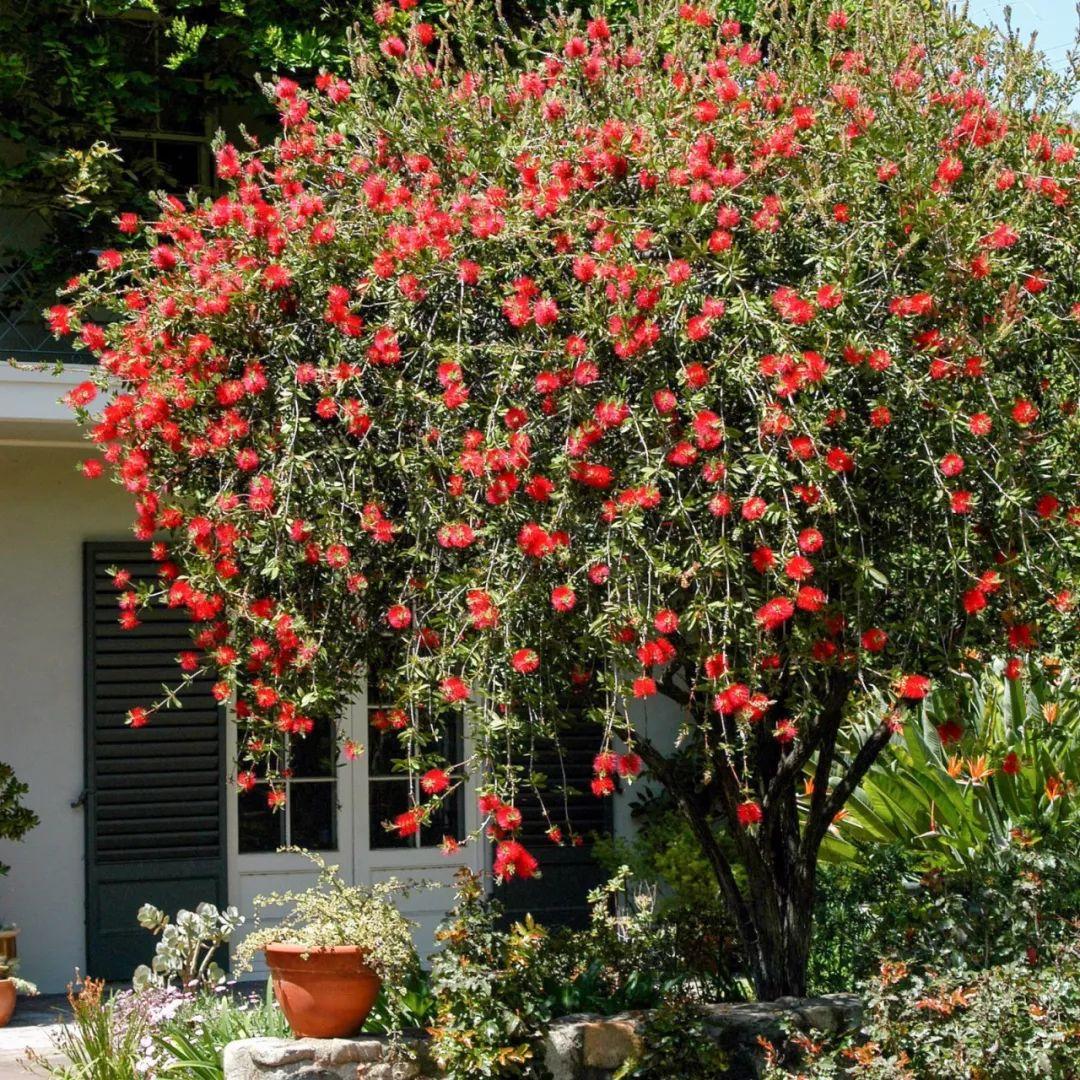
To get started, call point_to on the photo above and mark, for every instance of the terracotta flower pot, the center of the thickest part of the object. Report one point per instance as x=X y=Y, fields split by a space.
x=324 y=993
x=7 y=1000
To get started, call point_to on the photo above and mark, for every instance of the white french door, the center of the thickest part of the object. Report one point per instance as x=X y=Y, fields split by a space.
x=338 y=808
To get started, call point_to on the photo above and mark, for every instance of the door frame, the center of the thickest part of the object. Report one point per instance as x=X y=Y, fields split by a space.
x=358 y=862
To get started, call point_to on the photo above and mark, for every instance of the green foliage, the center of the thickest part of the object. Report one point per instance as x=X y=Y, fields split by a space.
x=860 y=905
x=411 y=1005
x=663 y=855
x=987 y=756
x=157 y=1032
x=16 y=820
x=82 y=82
x=676 y=1042
x=1013 y=1021
x=103 y=1041
x=333 y=912
x=502 y=374
x=489 y=986
x=184 y=957
x=190 y=1045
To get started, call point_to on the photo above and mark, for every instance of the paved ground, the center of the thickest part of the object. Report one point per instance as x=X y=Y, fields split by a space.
x=31 y=1027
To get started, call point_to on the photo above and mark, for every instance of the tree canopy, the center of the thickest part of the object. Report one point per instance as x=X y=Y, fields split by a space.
x=678 y=360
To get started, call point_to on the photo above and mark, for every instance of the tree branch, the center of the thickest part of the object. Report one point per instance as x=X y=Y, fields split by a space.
x=834 y=803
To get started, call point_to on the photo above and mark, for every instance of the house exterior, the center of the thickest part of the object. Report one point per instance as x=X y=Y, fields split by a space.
x=130 y=816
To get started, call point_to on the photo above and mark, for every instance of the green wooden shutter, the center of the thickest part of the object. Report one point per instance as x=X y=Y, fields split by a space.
x=155 y=809
x=568 y=874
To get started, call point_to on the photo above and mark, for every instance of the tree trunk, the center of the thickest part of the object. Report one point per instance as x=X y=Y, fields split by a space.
x=781 y=917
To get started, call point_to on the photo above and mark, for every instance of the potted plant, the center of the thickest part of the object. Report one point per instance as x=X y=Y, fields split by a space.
x=332 y=951
x=10 y=987
x=16 y=821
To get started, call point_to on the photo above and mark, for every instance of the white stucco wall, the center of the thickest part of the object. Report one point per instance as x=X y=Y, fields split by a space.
x=47 y=510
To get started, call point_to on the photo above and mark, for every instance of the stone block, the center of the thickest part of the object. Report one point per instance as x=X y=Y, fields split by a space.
x=607 y=1044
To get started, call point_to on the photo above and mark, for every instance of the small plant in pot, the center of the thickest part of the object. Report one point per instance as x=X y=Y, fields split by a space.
x=332 y=951
x=10 y=987
x=16 y=820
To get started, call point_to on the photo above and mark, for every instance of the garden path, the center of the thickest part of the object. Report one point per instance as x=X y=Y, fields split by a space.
x=31 y=1028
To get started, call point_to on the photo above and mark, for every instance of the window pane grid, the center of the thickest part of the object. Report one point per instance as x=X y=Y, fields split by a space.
x=309 y=817
x=390 y=794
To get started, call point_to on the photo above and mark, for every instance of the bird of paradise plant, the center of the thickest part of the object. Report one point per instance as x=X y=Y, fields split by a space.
x=991 y=760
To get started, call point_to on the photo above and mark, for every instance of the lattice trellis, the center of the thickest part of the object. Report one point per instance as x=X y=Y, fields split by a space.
x=24 y=334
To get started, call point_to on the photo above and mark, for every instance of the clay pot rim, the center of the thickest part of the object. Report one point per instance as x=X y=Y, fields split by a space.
x=315 y=950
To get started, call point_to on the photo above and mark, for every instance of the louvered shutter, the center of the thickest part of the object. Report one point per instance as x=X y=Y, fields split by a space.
x=568 y=874
x=155 y=795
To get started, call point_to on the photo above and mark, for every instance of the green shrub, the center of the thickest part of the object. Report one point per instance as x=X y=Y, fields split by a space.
x=1013 y=1021
x=676 y=1043
x=16 y=820
x=490 y=990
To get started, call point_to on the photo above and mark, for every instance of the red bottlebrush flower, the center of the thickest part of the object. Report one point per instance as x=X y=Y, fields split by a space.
x=399 y=616
x=960 y=502
x=754 y=508
x=245 y=780
x=629 y=765
x=1024 y=412
x=798 y=568
x=535 y=541
x=457 y=535
x=513 y=861
x=980 y=424
x=408 y=823
x=163 y=257
x=829 y=296
x=786 y=731
x=434 y=781
x=774 y=613
x=763 y=559
x=605 y=763
x=592 y=474
x=749 y=813
x=840 y=461
x=837 y=20
x=974 y=600
x=950 y=732
x=1046 y=506
x=1014 y=668
x=454 y=689
x=508 y=817
x=91 y=468
x=951 y=465
x=810 y=599
x=138 y=717
x=337 y=556
x=1010 y=764
x=81 y=395
x=60 y=319
x=913 y=687
x=563 y=598
x=666 y=621
x=810 y=541
x=602 y=786
x=525 y=661
x=644 y=686
x=128 y=223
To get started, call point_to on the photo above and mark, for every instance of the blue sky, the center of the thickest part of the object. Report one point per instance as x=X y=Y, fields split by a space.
x=1054 y=20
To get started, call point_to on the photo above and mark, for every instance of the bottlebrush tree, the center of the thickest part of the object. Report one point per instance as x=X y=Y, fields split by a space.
x=674 y=362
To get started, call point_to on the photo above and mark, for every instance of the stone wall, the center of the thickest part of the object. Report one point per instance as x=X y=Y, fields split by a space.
x=576 y=1047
